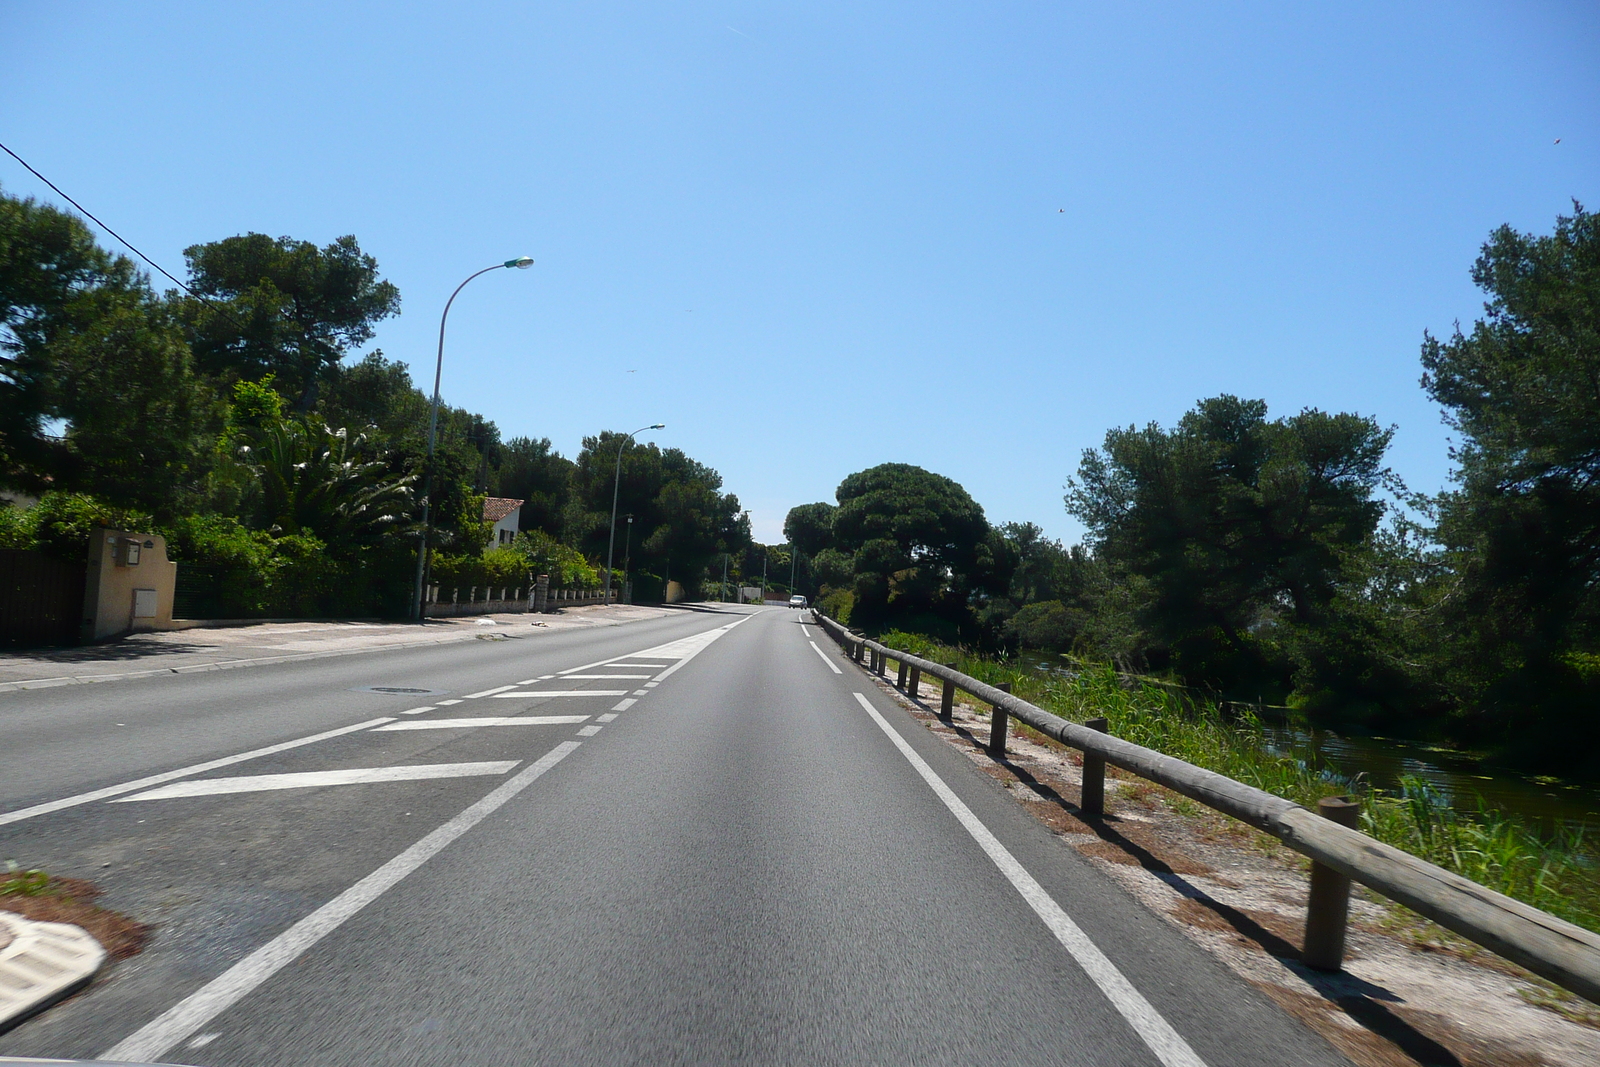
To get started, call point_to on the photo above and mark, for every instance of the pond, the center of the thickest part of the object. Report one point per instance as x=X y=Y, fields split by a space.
x=1460 y=779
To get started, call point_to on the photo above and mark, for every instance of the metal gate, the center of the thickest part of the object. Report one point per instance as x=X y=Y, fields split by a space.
x=41 y=599
x=198 y=593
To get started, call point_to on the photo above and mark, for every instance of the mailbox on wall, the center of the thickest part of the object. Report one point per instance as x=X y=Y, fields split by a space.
x=125 y=550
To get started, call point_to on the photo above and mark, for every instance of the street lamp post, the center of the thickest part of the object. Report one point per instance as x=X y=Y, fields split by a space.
x=627 y=559
x=521 y=263
x=616 y=483
x=794 y=561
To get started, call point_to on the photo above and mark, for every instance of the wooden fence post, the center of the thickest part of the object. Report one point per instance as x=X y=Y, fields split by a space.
x=1328 y=905
x=882 y=664
x=900 y=676
x=997 y=726
x=1092 y=797
x=947 y=699
x=914 y=683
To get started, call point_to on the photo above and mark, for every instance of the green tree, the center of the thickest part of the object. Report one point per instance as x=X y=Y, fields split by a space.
x=283 y=307
x=533 y=472
x=97 y=391
x=1522 y=529
x=1238 y=528
x=918 y=544
x=809 y=527
x=682 y=519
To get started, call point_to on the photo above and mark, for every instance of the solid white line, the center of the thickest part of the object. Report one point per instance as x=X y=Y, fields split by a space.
x=607 y=717
x=804 y=630
x=624 y=705
x=257 y=783
x=160 y=1035
x=470 y=724
x=182 y=772
x=419 y=711
x=1148 y=1023
x=832 y=666
x=590 y=731
x=490 y=692
x=574 y=677
x=561 y=693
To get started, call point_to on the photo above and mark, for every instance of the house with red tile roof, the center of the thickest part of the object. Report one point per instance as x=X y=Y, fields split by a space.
x=506 y=515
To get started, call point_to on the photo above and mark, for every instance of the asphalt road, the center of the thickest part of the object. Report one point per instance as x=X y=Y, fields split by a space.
x=701 y=839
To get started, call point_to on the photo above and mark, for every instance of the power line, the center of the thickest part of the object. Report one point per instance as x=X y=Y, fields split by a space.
x=102 y=225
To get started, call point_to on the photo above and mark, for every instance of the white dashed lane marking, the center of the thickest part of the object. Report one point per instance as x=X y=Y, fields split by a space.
x=490 y=692
x=419 y=711
x=607 y=717
x=624 y=705
x=589 y=731
x=832 y=666
x=650 y=666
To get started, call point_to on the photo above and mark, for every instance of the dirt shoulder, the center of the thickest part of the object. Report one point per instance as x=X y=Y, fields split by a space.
x=1411 y=992
x=259 y=644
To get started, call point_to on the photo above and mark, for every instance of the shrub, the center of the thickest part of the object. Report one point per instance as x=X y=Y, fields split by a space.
x=61 y=523
x=16 y=527
x=837 y=604
x=1049 y=625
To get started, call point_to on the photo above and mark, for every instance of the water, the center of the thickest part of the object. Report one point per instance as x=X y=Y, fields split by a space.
x=1460 y=780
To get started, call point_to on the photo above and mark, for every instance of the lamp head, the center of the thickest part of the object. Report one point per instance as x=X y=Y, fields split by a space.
x=659 y=426
x=521 y=262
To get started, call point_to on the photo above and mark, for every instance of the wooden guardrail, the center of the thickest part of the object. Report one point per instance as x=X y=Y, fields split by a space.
x=1553 y=948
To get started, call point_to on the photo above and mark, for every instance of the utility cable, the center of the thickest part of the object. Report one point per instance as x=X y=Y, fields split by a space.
x=102 y=225
x=226 y=311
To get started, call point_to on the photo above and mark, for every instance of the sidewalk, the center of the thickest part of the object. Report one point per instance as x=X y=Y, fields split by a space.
x=226 y=647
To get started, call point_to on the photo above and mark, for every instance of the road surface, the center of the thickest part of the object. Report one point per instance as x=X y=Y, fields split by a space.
x=706 y=838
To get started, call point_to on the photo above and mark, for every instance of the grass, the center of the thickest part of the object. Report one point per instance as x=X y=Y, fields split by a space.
x=1559 y=874
x=43 y=897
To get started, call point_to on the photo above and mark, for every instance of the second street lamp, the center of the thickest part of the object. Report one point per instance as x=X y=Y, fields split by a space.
x=521 y=263
x=616 y=483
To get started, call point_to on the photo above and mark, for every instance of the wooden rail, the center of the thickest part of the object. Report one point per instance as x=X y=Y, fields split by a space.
x=1553 y=948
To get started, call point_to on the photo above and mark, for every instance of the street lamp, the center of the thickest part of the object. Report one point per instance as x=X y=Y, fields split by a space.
x=627 y=558
x=616 y=483
x=521 y=263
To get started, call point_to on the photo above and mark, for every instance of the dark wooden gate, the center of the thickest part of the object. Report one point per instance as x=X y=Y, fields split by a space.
x=41 y=599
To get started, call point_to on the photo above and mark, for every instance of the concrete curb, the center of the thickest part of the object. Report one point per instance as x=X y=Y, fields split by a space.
x=43 y=963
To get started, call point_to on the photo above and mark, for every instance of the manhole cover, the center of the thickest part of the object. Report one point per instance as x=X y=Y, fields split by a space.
x=400 y=690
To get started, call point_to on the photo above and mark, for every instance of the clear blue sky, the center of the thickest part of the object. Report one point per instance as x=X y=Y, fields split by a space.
x=813 y=238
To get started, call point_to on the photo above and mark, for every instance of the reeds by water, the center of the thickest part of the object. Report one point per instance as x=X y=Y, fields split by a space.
x=1557 y=871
